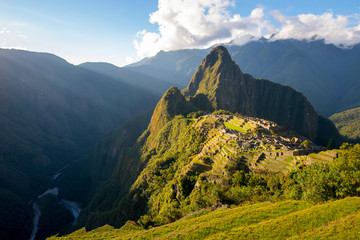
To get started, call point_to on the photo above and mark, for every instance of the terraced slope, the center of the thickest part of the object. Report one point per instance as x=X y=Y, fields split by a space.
x=282 y=220
x=233 y=142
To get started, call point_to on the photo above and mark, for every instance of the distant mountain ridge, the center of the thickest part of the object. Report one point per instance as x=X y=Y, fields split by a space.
x=128 y=76
x=176 y=67
x=327 y=75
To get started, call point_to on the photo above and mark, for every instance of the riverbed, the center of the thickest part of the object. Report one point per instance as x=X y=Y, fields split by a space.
x=73 y=207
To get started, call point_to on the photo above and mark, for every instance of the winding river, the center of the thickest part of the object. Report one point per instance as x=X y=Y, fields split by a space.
x=73 y=207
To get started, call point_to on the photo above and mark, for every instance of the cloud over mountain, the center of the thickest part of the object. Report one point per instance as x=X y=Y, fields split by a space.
x=200 y=23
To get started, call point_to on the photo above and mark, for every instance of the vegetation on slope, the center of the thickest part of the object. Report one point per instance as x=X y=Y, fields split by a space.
x=169 y=187
x=219 y=83
x=280 y=220
x=348 y=123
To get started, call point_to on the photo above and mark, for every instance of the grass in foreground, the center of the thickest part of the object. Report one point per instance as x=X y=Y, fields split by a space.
x=290 y=219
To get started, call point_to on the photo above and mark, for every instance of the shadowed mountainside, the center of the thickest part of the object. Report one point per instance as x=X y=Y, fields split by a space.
x=50 y=113
x=136 y=79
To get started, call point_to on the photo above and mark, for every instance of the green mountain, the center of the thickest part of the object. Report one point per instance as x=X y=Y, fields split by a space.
x=219 y=84
x=348 y=123
x=327 y=75
x=51 y=112
x=188 y=159
x=283 y=220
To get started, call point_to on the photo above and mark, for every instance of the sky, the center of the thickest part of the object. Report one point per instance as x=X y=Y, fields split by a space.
x=121 y=32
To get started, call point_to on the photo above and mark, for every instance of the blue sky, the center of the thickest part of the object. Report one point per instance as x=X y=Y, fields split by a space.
x=118 y=31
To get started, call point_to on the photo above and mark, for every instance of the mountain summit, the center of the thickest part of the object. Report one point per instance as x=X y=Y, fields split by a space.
x=219 y=84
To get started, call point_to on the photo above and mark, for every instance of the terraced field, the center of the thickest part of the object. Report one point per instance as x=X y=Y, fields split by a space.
x=232 y=141
x=282 y=220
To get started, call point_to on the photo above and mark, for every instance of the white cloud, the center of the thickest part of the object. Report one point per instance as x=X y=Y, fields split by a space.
x=203 y=23
x=334 y=29
x=130 y=60
x=10 y=39
x=4 y=30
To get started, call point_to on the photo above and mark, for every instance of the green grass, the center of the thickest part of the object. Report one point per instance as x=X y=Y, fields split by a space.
x=295 y=223
x=289 y=219
x=234 y=127
x=345 y=228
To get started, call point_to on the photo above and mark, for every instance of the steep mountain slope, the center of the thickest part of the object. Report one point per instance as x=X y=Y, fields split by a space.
x=170 y=170
x=324 y=73
x=219 y=84
x=50 y=113
x=291 y=219
x=135 y=79
x=327 y=75
x=348 y=123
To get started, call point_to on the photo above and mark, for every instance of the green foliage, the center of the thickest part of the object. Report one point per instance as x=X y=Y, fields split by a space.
x=348 y=123
x=195 y=114
x=306 y=144
x=318 y=182
x=162 y=185
x=322 y=182
x=222 y=112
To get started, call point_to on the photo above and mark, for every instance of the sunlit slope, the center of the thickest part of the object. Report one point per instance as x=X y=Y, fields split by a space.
x=282 y=220
x=348 y=123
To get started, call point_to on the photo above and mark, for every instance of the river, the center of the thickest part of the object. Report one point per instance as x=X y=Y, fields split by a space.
x=73 y=207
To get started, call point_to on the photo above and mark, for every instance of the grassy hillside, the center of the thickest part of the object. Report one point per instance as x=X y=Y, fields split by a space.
x=348 y=123
x=282 y=220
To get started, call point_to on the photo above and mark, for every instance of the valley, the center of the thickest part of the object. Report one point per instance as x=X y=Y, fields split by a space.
x=73 y=207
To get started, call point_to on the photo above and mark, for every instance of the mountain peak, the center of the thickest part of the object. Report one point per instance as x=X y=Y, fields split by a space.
x=171 y=104
x=219 y=84
x=218 y=53
x=217 y=71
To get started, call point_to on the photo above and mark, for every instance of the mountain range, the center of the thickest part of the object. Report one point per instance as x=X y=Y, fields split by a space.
x=326 y=74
